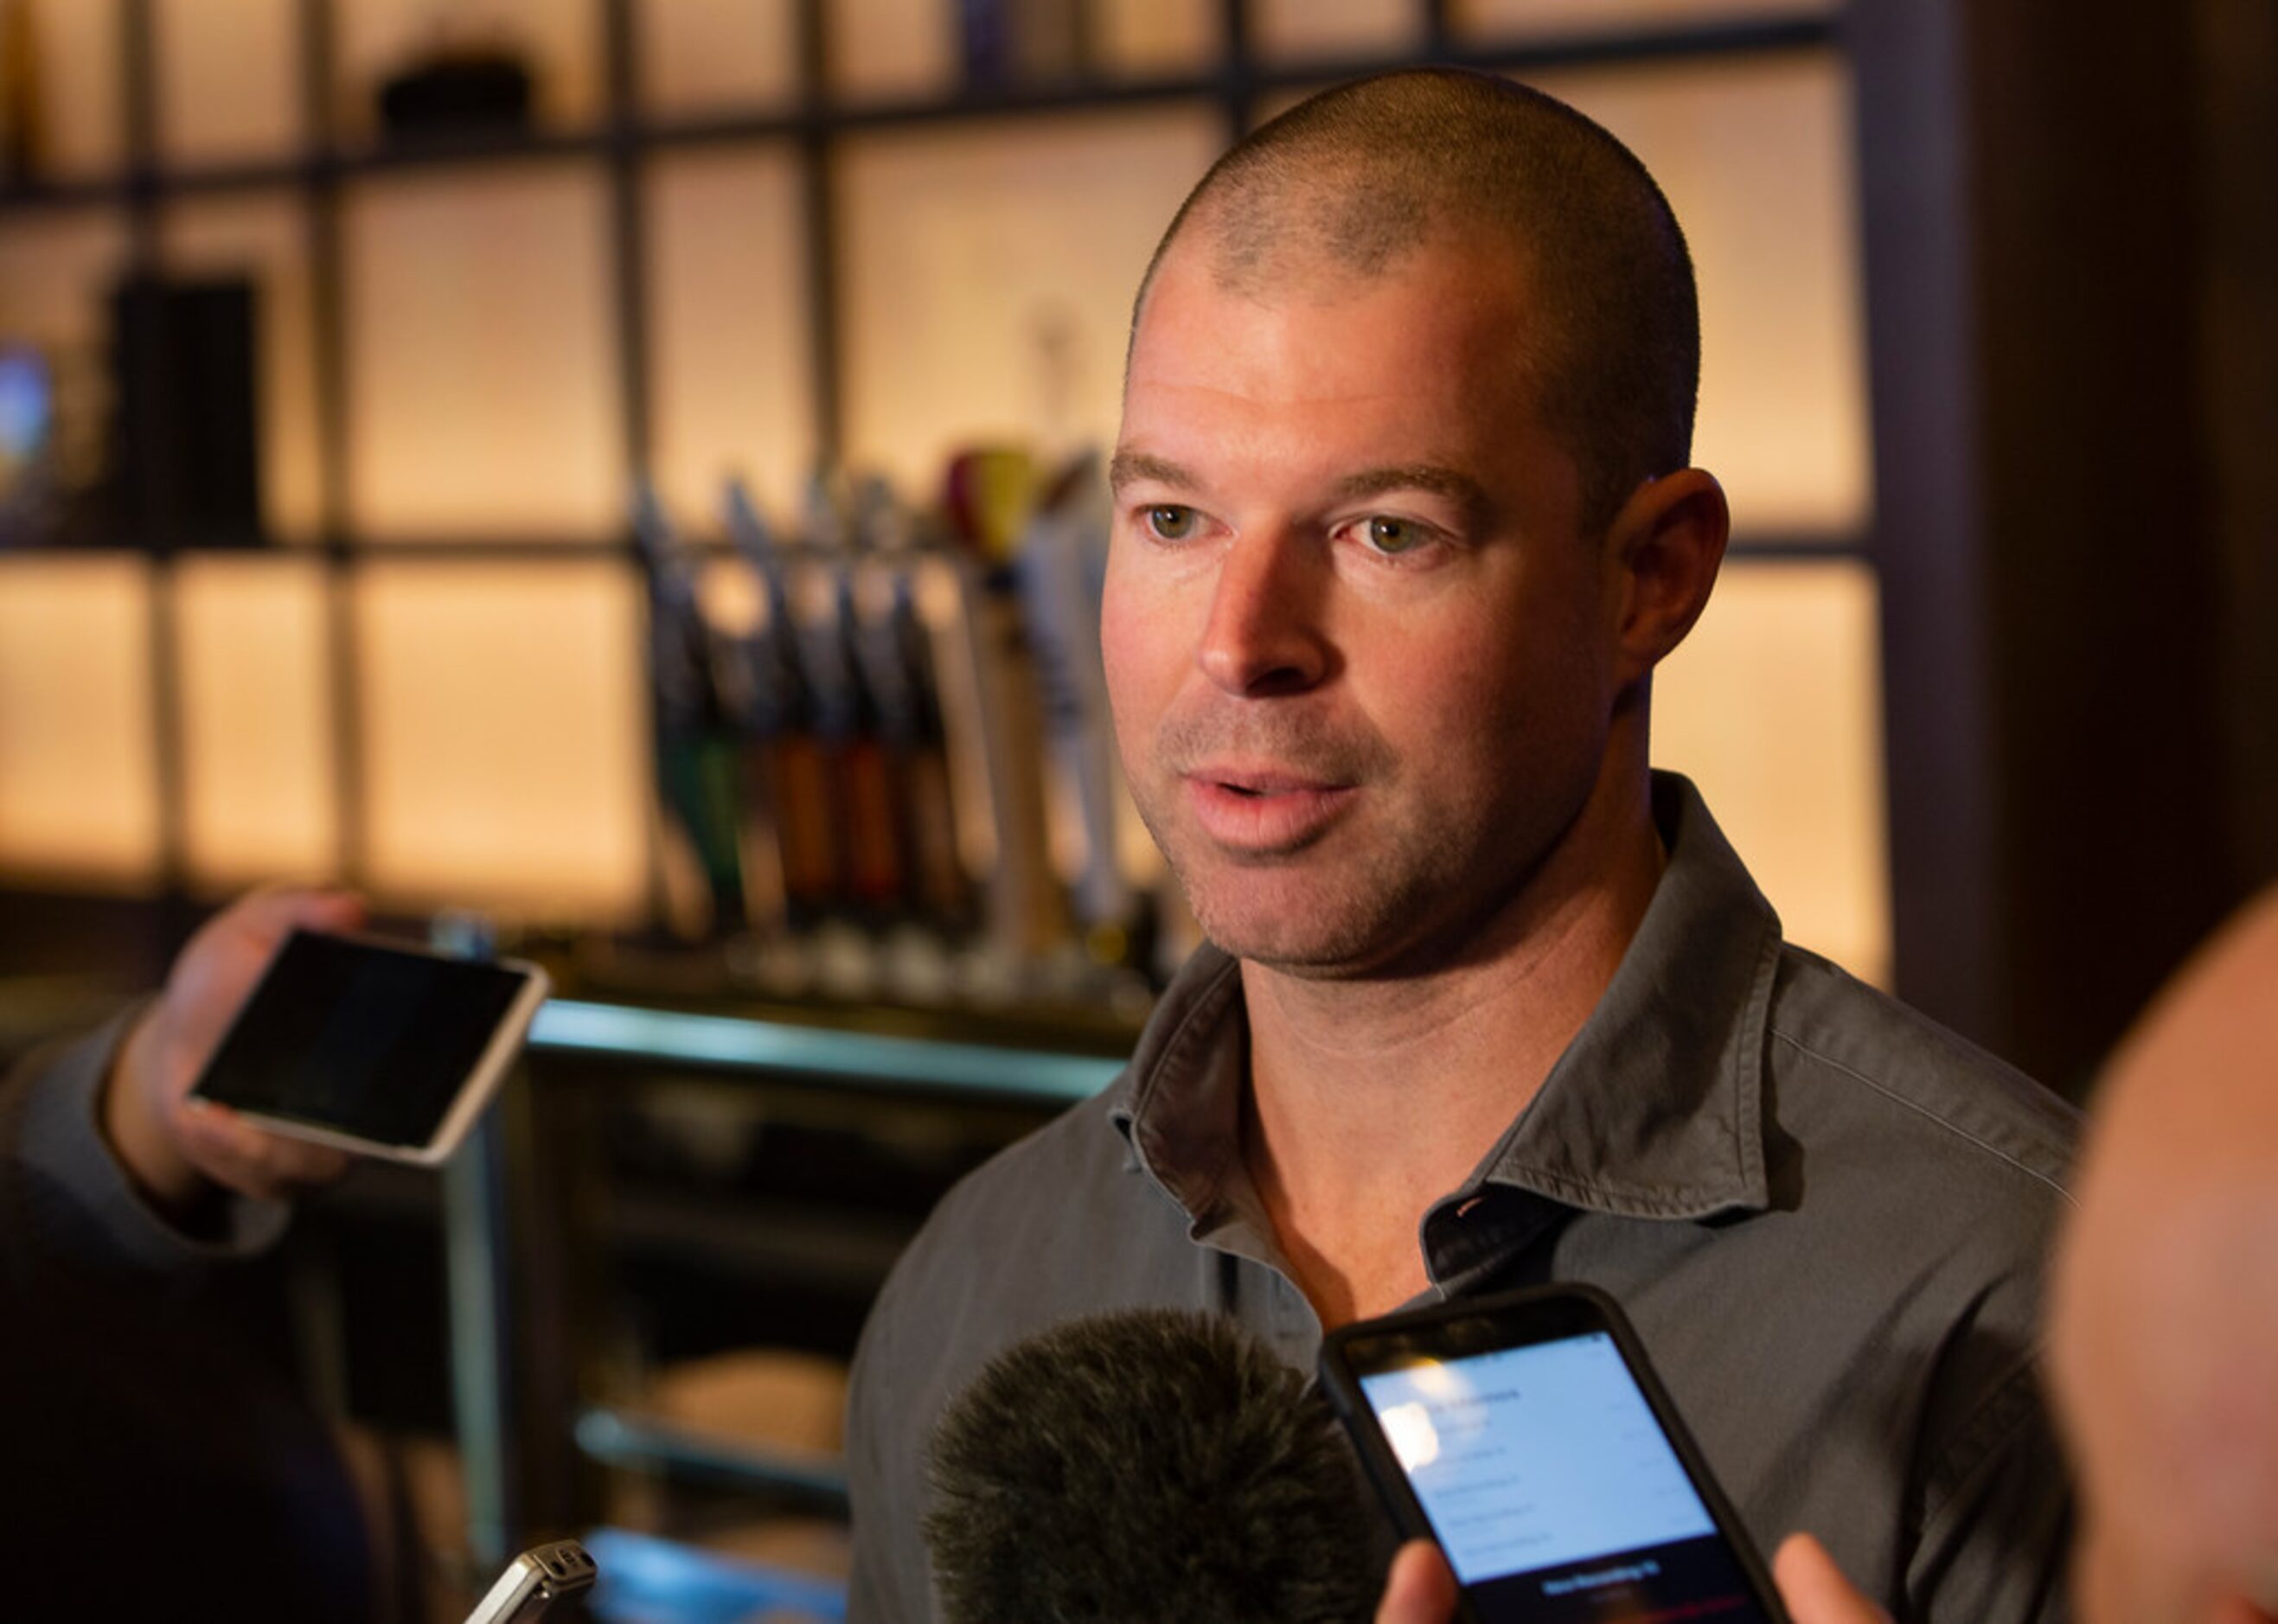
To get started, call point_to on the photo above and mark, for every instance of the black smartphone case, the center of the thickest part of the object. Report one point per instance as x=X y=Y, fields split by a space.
x=1546 y=1312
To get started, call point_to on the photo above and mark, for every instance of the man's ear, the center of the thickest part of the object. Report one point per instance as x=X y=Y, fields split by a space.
x=1665 y=544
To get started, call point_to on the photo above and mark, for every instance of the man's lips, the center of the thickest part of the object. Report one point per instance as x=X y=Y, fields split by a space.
x=1262 y=809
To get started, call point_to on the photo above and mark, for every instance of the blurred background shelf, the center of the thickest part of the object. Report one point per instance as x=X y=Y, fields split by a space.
x=781 y=234
x=1238 y=82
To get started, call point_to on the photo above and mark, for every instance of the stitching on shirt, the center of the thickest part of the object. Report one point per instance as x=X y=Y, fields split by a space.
x=1207 y=1006
x=1202 y=1007
x=1748 y=1103
x=1927 y=1115
x=2010 y=1409
x=1636 y=1200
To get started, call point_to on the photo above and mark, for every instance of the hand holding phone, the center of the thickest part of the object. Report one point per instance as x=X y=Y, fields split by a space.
x=370 y=1047
x=1527 y=1436
x=174 y=1151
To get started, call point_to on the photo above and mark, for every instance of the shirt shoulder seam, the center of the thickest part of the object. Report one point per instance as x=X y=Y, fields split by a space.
x=1926 y=1114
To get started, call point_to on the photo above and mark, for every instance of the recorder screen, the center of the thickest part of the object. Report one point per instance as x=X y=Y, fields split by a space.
x=1553 y=1490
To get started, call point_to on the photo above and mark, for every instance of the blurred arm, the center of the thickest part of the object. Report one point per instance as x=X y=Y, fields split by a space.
x=102 y=1148
x=180 y=1152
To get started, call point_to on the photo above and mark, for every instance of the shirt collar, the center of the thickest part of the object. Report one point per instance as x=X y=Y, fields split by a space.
x=1655 y=1110
x=1180 y=1097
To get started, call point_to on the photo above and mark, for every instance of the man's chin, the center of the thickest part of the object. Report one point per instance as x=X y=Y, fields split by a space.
x=1313 y=943
x=1304 y=916
x=1294 y=925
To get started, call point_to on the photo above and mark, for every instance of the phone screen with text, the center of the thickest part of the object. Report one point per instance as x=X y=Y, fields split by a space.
x=1553 y=1491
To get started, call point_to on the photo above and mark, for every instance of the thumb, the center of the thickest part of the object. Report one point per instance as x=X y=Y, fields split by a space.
x=1420 y=1588
x=1813 y=1587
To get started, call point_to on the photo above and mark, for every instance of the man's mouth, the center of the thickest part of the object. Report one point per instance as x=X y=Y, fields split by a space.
x=1263 y=809
x=1263 y=778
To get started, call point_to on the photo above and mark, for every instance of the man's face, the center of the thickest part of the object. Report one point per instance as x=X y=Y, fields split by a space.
x=1360 y=659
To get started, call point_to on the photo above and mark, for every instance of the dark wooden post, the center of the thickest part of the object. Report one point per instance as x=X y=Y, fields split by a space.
x=2041 y=189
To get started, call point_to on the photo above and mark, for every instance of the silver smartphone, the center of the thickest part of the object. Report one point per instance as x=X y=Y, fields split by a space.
x=379 y=1048
x=534 y=1581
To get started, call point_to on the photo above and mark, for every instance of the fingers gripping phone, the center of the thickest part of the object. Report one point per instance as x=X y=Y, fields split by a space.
x=1526 y=1434
x=382 y=1049
x=534 y=1581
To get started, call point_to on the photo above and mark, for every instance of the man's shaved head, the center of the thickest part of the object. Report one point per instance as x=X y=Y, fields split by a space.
x=1352 y=181
x=2165 y=1323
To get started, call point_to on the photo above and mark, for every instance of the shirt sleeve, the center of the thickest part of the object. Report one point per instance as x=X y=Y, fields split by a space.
x=71 y=1195
x=1998 y=1530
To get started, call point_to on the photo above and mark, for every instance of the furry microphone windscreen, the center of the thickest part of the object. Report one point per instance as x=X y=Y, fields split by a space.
x=1147 y=1465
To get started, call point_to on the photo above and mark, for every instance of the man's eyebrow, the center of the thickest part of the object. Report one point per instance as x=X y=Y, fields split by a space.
x=1450 y=482
x=1129 y=466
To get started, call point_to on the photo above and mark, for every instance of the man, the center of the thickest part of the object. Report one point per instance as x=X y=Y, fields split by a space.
x=155 y=1465
x=1404 y=523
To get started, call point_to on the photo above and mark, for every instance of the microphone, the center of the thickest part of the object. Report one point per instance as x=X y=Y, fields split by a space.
x=1147 y=1465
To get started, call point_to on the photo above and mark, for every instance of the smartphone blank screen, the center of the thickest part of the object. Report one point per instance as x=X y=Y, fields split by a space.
x=361 y=1039
x=1553 y=1490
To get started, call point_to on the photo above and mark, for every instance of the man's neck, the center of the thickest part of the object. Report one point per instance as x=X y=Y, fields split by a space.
x=1370 y=1100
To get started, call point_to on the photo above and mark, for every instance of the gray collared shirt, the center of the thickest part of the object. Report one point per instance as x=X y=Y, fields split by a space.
x=1826 y=1216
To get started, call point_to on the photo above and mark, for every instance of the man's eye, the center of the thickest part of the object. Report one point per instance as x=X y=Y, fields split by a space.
x=1393 y=536
x=1170 y=523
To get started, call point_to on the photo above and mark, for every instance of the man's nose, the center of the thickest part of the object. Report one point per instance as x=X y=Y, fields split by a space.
x=1265 y=635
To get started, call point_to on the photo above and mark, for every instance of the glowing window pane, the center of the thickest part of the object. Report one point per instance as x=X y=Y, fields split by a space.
x=1154 y=36
x=728 y=327
x=988 y=278
x=228 y=78
x=709 y=54
x=908 y=48
x=75 y=51
x=506 y=736
x=890 y=48
x=78 y=791
x=1773 y=706
x=481 y=363
x=1303 y=28
x=255 y=700
x=57 y=271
